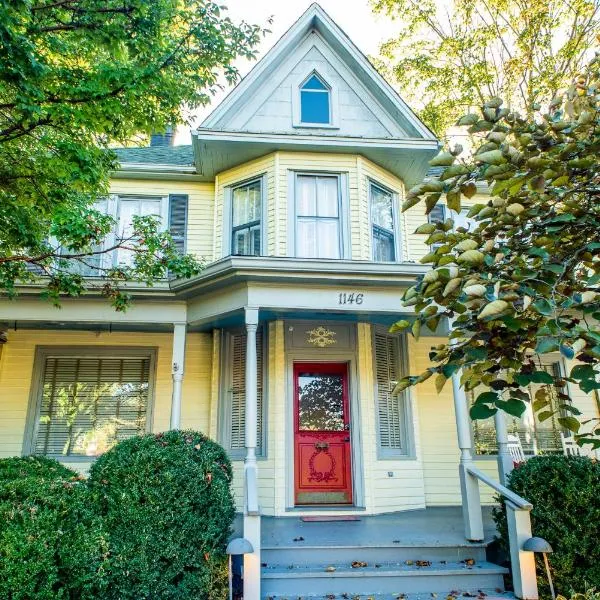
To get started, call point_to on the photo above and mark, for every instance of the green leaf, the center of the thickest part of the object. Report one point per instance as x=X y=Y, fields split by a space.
x=570 y=423
x=482 y=411
x=541 y=377
x=487 y=397
x=546 y=344
x=512 y=406
x=543 y=307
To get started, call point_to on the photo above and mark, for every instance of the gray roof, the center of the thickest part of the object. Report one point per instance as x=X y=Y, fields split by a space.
x=157 y=155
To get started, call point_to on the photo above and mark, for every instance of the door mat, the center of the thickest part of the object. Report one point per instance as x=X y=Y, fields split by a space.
x=325 y=519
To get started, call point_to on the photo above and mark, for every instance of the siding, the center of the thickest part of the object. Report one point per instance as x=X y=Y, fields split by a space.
x=16 y=370
x=200 y=208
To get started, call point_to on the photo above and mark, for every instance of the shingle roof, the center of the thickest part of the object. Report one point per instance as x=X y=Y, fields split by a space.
x=157 y=155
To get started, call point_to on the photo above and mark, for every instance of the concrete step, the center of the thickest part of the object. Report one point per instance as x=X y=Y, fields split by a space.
x=304 y=554
x=451 y=594
x=392 y=578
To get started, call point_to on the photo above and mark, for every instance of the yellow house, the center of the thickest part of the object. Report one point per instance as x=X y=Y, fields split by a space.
x=279 y=349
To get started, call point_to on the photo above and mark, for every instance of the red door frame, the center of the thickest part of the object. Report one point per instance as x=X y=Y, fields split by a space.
x=337 y=480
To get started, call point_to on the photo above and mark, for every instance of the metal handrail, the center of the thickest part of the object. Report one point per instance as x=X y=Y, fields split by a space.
x=515 y=499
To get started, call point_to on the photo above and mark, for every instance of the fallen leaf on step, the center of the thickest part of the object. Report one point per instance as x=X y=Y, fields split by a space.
x=499 y=590
x=401 y=597
x=330 y=596
x=433 y=595
x=299 y=539
x=345 y=596
x=263 y=564
x=358 y=564
x=469 y=595
x=355 y=597
x=330 y=569
x=469 y=562
x=450 y=597
x=443 y=562
x=409 y=562
x=423 y=563
x=377 y=566
x=395 y=541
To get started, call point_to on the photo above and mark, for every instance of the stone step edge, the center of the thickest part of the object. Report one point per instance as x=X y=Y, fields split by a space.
x=305 y=573
x=427 y=545
x=473 y=594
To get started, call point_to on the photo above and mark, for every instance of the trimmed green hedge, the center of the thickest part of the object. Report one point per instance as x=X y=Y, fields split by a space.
x=565 y=493
x=166 y=502
x=52 y=544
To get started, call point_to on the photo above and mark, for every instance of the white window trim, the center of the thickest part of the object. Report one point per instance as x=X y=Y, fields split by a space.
x=344 y=212
x=409 y=428
x=333 y=103
x=397 y=230
x=37 y=387
x=228 y=217
x=224 y=413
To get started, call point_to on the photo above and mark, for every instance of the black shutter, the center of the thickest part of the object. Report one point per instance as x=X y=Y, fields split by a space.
x=178 y=209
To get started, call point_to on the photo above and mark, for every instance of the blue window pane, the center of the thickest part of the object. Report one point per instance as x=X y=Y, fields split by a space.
x=314 y=107
x=314 y=83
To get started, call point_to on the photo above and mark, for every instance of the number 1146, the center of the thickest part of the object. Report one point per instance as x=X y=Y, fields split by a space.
x=350 y=298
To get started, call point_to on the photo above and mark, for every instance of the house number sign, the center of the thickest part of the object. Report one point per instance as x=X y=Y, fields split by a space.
x=350 y=298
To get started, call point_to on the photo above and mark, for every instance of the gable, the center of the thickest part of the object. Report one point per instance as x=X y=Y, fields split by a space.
x=363 y=104
x=276 y=105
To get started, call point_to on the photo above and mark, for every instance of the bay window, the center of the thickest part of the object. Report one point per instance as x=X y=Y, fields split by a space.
x=382 y=223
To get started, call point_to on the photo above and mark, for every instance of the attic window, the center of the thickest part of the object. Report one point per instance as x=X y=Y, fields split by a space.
x=315 y=104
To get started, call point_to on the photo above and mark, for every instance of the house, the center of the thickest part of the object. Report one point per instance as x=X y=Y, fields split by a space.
x=280 y=349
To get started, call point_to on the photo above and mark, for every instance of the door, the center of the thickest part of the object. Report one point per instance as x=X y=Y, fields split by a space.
x=322 y=434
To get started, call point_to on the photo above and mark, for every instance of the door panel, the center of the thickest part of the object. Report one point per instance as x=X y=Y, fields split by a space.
x=322 y=434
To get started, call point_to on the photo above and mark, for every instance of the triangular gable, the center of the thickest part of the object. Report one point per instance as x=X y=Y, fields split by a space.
x=363 y=103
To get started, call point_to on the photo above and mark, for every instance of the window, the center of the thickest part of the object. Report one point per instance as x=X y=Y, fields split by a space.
x=315 y=104
x=130 y=207
x=246 y=214
x=441 y=212
x=382 y=220
x=171 y=210
x=318 y=226
x=394 y=439
x=536 y=436
x=233 y=417
x=87 y=401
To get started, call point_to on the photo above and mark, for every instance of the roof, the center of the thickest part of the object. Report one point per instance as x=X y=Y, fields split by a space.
x=157 y=155
x=316 y=19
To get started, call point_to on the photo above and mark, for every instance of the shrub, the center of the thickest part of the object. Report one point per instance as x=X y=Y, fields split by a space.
x=588 y=594
x=167 y=504
x=565 y=493
x=51 y=544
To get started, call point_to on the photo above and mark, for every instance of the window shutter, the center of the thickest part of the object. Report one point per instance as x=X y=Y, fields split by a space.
x=238 y=391
x=390 y=408
x=90 y=403
x=438 y=214
x=178 y=212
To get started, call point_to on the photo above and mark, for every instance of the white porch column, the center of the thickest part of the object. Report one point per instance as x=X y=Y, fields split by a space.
x=505 y=461
x=251 y=510
x=469 y=486
x=177 y=365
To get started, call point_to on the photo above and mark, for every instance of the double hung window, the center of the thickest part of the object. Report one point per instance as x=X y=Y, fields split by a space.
x=382 y=220
x=246 y=216
x=318 y=219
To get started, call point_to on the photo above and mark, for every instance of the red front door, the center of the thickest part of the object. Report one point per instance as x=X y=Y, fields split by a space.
x=322 y=434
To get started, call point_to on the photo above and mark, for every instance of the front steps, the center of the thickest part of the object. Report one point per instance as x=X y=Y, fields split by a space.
x=411 y=556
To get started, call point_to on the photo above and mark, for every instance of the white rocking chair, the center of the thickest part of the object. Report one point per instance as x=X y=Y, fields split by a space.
x=569 y=445
x=515 y=448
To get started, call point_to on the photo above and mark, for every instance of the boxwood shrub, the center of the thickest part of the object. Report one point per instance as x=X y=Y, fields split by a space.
x=565 y=493
x=52 y=545
x=166 y=502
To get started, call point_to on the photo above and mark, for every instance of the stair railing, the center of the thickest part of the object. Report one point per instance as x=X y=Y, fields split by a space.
x=519 y=531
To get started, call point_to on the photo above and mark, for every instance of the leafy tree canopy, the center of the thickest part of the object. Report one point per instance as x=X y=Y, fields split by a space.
x=78 y=77
x=452 y=56
x=524 y=281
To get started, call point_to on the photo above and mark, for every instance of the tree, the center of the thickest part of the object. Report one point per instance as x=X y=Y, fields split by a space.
x=78 y=77
x=525 y=281
x=452 y=56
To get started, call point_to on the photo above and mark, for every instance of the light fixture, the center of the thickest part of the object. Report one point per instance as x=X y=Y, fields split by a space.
x=541 y=546
x=236 y=547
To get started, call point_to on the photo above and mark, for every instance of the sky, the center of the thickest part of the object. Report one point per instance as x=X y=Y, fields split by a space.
x=355 y=17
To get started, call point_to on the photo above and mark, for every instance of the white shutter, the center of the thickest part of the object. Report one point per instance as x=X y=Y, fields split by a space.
x=89 y=403
x=391 y=409
x=237 y=358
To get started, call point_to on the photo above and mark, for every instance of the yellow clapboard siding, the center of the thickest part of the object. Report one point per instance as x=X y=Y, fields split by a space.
x=200 y=224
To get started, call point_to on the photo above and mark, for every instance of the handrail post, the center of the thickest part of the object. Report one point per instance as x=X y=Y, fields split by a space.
x=505 y=461
x=522 y=562
x=469 y=486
